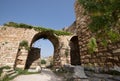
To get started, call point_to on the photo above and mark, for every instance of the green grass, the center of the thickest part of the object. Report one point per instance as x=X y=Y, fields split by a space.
x=20 y=72
x=24 y=72
x=6 y=78
x=4 y=67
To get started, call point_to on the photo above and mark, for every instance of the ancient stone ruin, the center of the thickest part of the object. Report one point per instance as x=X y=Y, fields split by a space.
x=70 y=49
x=13 y=55
x=105 y=57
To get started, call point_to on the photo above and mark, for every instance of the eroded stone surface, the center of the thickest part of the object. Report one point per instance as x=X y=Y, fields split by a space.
x=79 y=72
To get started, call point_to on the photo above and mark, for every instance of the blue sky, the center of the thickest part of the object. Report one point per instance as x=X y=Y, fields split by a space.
x=46 y=46
x=54 y=14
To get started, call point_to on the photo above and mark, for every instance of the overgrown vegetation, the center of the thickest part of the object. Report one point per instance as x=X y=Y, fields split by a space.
x=4 y=67
x=43 y=61
x=21 y=25
x=25 y=72
x=6 y=78
x=92 y=45
x=105 y=15
x=20 y=72
x=24 y=43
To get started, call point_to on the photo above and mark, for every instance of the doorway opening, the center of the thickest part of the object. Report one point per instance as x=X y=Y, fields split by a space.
x=36 y=53
x=74 y=51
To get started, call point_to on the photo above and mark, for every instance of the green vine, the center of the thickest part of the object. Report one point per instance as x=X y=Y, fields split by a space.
x=36 y=28
x=92 y=45
x=105 y=15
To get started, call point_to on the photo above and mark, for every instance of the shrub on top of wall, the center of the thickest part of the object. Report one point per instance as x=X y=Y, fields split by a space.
x=24 y=43
x=36 y=28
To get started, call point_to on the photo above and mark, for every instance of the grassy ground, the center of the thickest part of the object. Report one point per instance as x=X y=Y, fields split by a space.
x=5 y=67
x=20 y=72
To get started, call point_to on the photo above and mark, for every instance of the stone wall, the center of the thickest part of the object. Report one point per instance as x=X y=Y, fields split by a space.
x=9 y=43
x=20 y=59
x=64 y=41
x=83 y=32
x=106 y=57
x=33 y=59
x=72 y=28
x=11 y=37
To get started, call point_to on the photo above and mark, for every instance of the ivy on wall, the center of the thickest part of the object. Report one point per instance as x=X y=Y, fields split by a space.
x=105 y=16
x=92 y=45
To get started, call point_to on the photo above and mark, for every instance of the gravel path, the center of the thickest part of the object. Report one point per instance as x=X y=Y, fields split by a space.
x=45 y=75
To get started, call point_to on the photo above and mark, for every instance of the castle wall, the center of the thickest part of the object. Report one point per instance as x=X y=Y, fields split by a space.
x=105 y=57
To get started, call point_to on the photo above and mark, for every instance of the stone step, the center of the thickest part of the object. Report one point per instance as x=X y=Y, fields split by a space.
x=13 y=75
x=11 y=72
x=7 y=70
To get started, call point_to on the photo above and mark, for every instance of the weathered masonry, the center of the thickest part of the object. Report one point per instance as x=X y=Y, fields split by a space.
x=13 y=55
x=105 y=57
x=67 y=49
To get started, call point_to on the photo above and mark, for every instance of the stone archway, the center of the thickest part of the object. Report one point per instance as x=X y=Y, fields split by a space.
x=33 y=56
x=74 y=51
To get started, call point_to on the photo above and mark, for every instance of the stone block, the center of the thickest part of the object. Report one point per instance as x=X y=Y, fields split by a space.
x=88 y=56
x=86 y=60
x=118 y=45
x=9 y=64
x=107 y=54
x=20 y=66
x=110 y=65
x=117 y=68
x=22 y=57
x=79 y=72
x=116 y=51
x=103 y=59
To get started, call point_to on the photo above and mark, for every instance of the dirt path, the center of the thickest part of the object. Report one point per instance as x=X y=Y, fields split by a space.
x=45 y=75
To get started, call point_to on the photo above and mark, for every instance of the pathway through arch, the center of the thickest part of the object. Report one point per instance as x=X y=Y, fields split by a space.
x=45 y=75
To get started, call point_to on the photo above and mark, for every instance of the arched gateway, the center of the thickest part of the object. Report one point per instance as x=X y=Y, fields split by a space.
x=33 y=58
